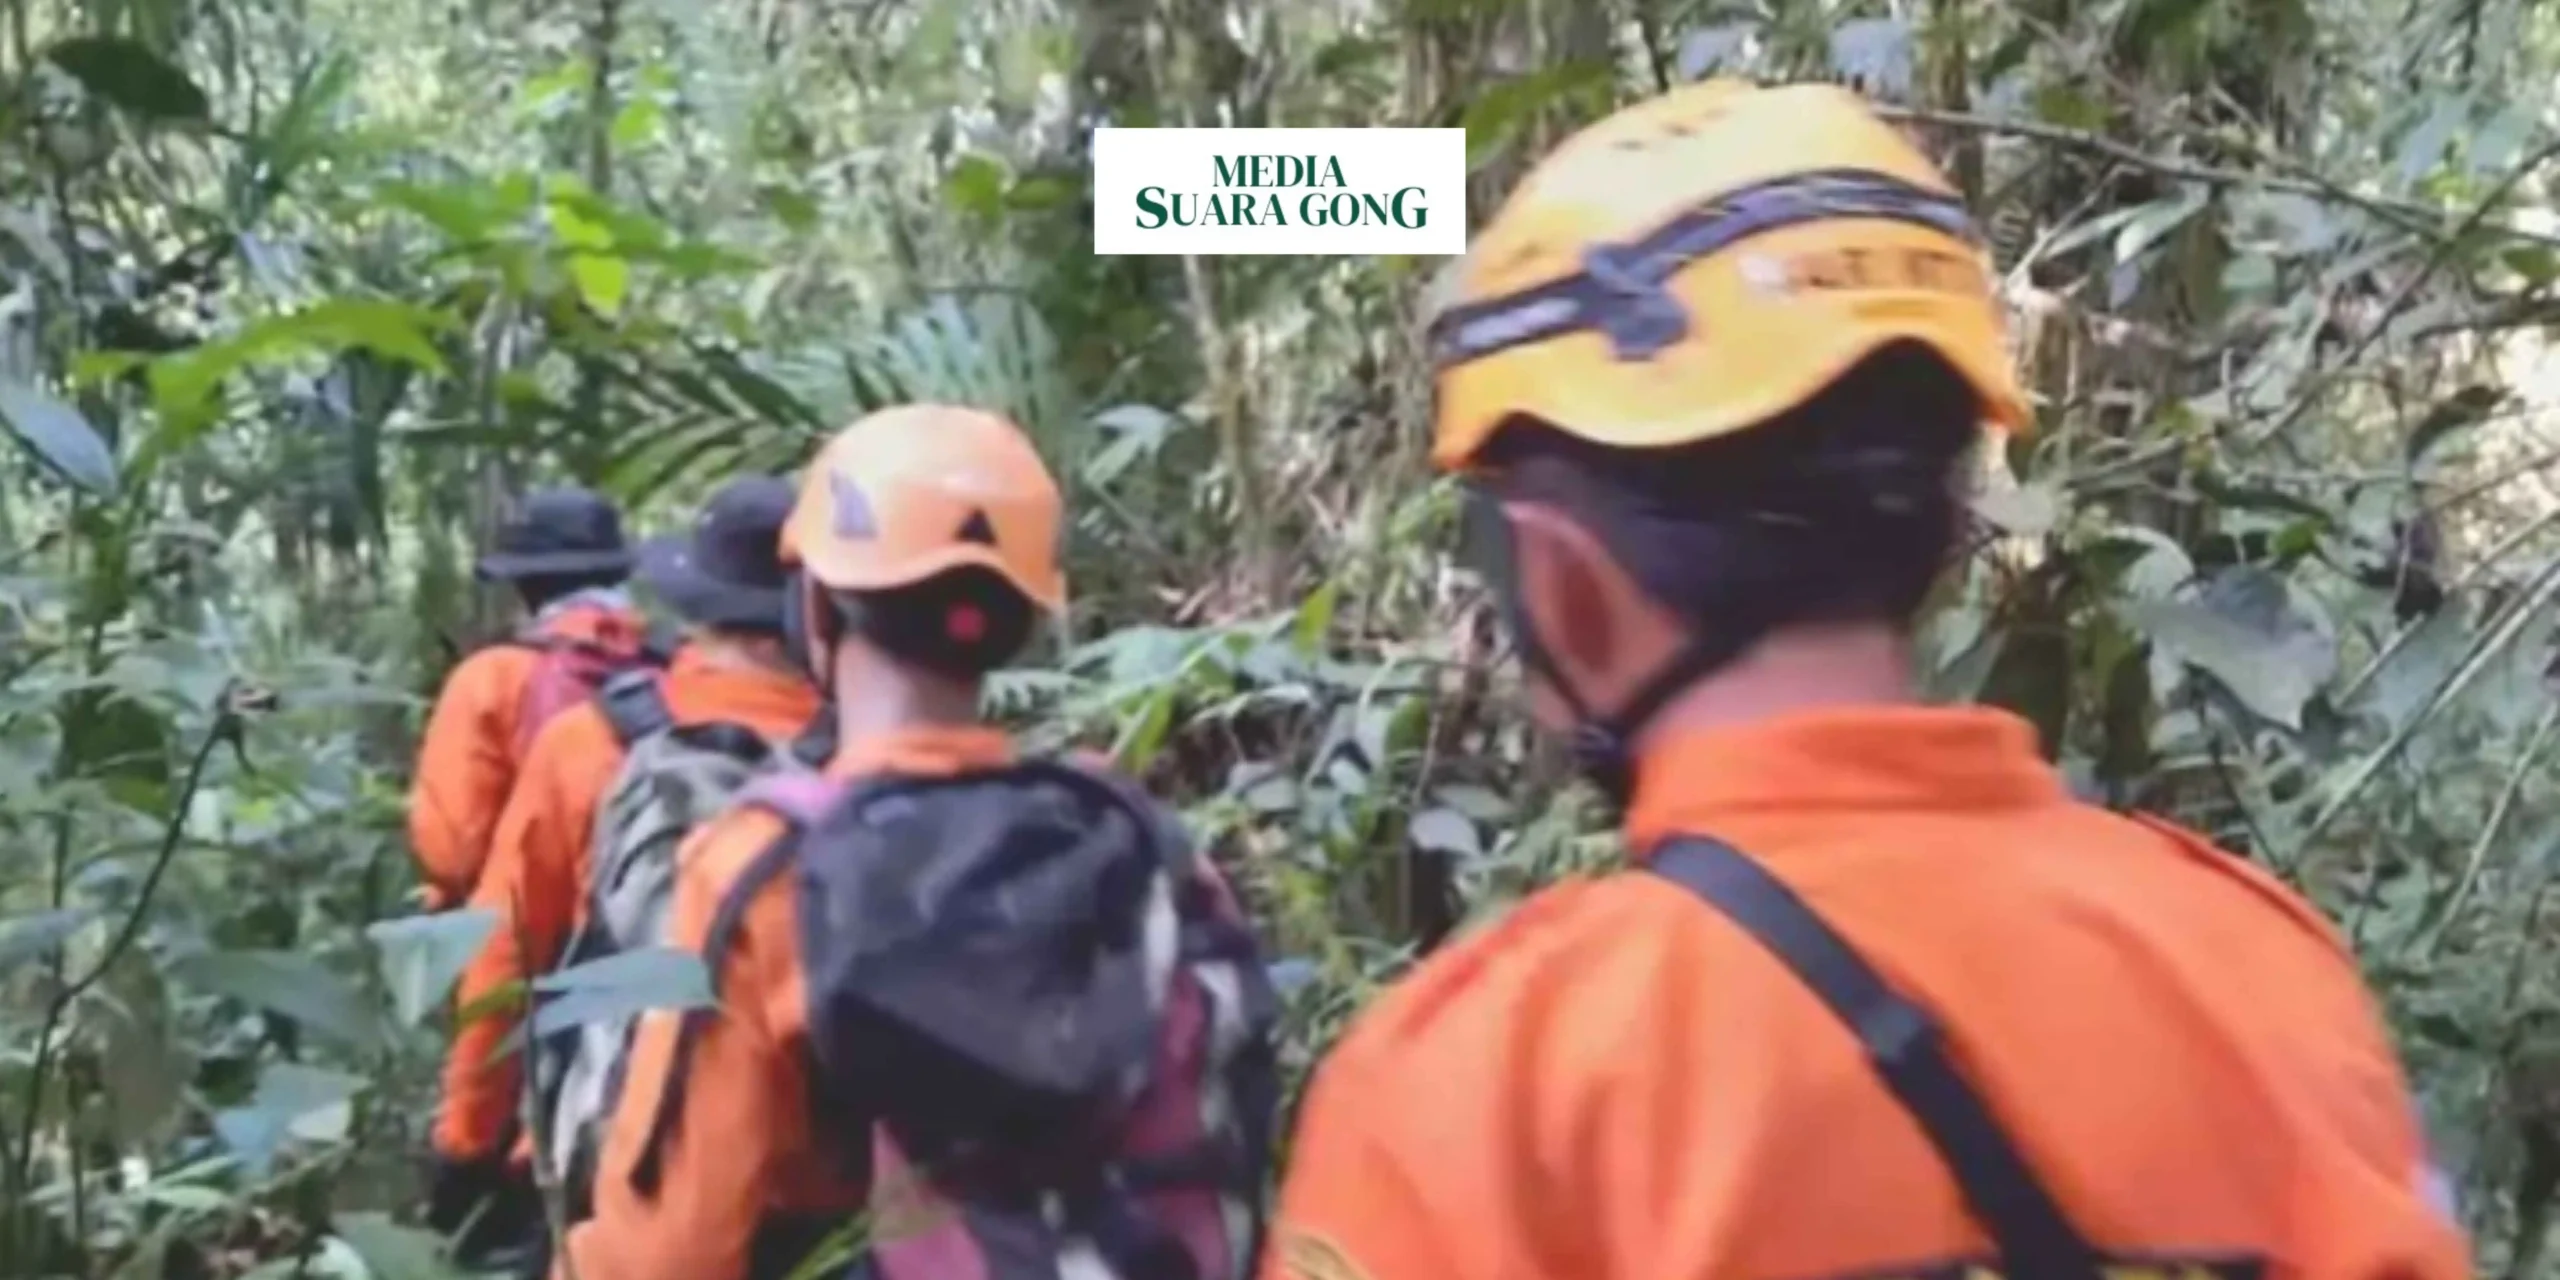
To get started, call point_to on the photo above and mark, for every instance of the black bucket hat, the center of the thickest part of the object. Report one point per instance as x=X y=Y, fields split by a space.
x=564 y=532
x=728 y=571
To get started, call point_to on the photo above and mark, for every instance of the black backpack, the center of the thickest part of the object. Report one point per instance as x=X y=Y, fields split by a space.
x=1034 y=1012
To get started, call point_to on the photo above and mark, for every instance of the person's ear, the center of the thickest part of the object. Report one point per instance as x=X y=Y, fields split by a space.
x=1593 y=619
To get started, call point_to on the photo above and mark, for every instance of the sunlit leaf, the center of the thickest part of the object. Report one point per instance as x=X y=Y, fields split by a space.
x=602 y=280
x=637 y=122
x=976 y=186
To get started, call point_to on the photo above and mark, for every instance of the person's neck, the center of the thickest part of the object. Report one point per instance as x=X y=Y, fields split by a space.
x=886 y=702
x=1806 y=668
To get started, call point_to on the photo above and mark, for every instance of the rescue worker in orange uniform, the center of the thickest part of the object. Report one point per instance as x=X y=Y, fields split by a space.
x=726 y=582
x=744 y=1187
x=564 y=554
x=1879 y=997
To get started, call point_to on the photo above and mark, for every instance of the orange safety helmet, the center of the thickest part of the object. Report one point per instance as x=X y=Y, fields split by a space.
x=914 y=491
x=1705 y=261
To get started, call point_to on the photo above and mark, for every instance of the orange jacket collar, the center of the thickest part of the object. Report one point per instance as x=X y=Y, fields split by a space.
x=931 y=750
x=1881 y=758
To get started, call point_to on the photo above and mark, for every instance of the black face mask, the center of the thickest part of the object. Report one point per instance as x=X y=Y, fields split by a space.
x=1602 y=741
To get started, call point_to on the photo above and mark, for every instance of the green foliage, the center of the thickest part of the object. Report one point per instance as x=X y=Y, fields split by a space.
x=295 y=296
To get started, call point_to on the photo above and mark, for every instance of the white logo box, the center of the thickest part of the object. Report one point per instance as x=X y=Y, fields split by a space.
x=1217 y=192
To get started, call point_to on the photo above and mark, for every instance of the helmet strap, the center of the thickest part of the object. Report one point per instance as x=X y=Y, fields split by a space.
x=812 y=623
x=1603 y=742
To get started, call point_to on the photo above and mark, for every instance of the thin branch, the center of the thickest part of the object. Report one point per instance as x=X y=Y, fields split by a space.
x=226 y=722
x=2407 y=293
x=2410 y=215
x=2490 y=830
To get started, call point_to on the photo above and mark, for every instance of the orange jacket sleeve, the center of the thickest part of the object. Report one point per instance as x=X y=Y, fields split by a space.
x=744 y=1087
x=466 y=762
x=533 y=884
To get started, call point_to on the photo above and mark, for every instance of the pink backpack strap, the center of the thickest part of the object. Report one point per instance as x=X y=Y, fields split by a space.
x=795 y=797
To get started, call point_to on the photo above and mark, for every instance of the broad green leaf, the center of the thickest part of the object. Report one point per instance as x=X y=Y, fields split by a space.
x=2423 y=149
x=2098 y=228
x=284 y=982
x=1500 y=111
x=58 y=436
x=1446 y=831
x=602 y=280
x=1314 y=622
x=574 y=224
x=185 y=1198
x=793 y=209
x=560 y=82
x=2246 y=632
x=128 y=74
x=292 y=1102
x=2249 y=273
x=1144 y=735
x=2496 y=145
x=1482 y=804
x=1137 y=431
x=2152 y=23
x=182 y=383
x=394 y=1252
x=620 y=986
x=463 y=212
x=25 y=938
x=976 y=186
x=422 y=956
x=2410 y=676
x=2058 y=102
x=2536 y=263
x=2156 y=221
x=2028 y=510
x=637 y=122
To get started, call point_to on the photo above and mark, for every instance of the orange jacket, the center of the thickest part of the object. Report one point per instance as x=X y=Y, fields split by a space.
x=742 y=1147
x=1614 y=1081
x=467 y=757
x=536 y=880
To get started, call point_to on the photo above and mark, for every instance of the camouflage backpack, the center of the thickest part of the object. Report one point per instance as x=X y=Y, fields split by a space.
x=674 y=777
x=1040 y=1030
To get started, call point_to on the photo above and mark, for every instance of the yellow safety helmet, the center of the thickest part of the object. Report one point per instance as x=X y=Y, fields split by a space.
x=910 y=492
x=1705 y=261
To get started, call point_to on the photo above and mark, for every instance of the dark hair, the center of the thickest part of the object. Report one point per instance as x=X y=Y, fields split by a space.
x=541 y=589
x=1845 y=508
x=963 y=622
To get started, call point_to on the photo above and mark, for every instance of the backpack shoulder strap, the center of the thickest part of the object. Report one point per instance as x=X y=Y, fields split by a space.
x=1903 y=1044
x=799 y=800
x=633 y=704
